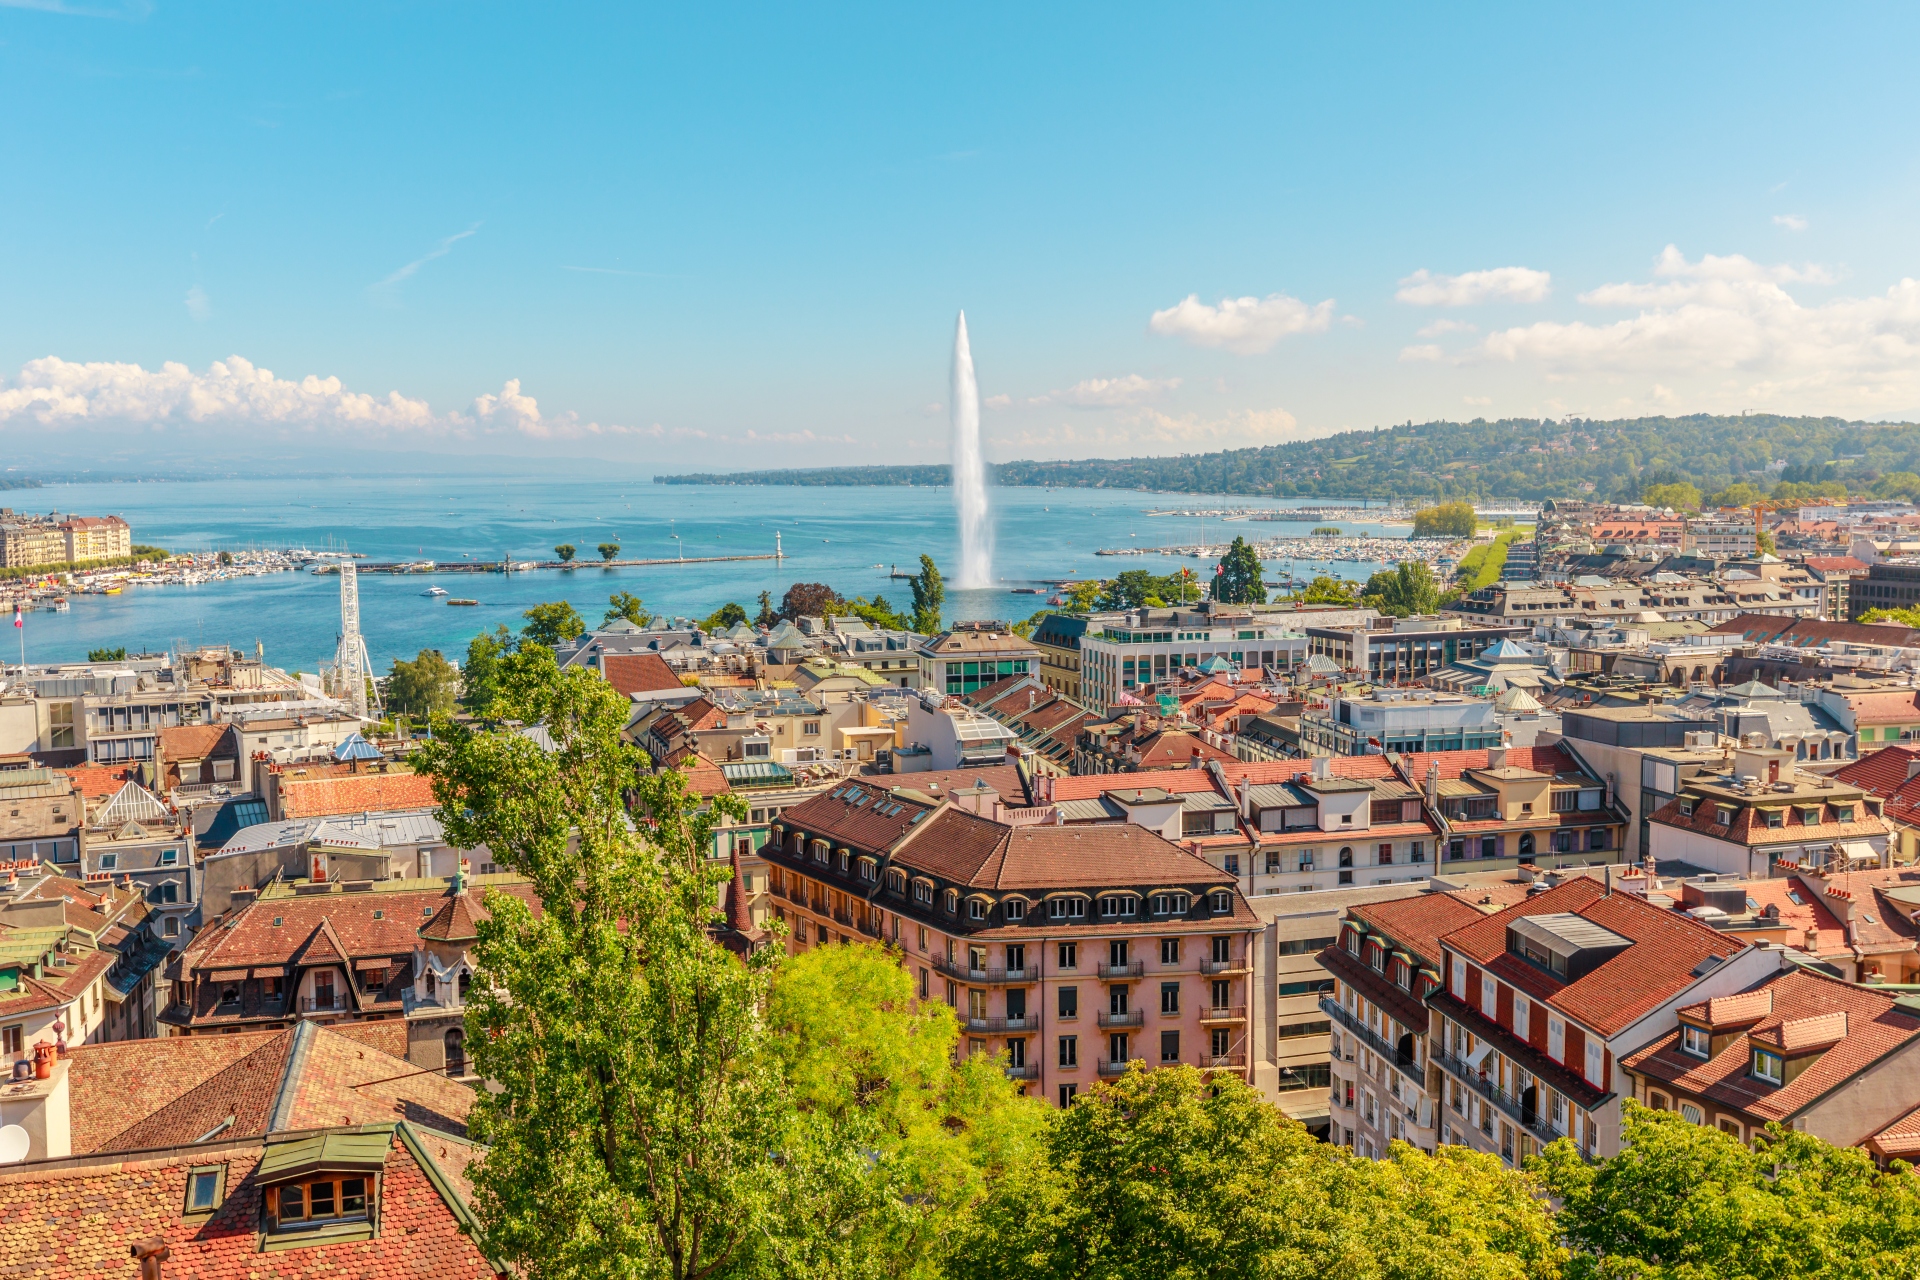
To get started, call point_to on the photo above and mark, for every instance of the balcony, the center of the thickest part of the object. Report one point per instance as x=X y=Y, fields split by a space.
x=1110 y=1068
x=843 y=915
x=870 y=925
x=1216 y=967
x=985 y=977
x=1031 y=1071
x=323 y=1004
x=1134 y=969
x=999 y=1026
x=1224 y=1013
x=1224 y=1061
x=1404 y=1064
x=1136 y=1018
x=1515 y=1109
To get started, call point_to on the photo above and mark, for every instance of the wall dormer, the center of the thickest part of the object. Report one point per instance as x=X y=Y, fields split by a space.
x=1563 y=944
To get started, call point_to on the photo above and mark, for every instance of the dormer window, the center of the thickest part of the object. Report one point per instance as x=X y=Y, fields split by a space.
x=1769 y=1067
x=952 y=901
x=976 y=909
x=1686 y=807
x=1694 y=1041
x=1119 y=906
x=1843 y=813
x=1220 y=902
x=1776 y=817
x=1723 y=815
x=1014 y=909
x=1171 y=904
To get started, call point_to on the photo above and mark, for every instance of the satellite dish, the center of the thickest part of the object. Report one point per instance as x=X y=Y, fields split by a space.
x=13 y=1144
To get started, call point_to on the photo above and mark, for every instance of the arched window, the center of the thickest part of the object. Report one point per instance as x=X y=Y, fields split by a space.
x=456 y=1042
x=466 y=981
x=1526 y=845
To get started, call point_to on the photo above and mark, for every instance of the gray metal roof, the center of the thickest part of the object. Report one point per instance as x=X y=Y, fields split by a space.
x=1564 y=931
x=1278 y=795
x=371 y=831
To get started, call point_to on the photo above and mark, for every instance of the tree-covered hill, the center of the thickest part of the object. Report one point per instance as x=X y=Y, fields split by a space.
x=1511 y=458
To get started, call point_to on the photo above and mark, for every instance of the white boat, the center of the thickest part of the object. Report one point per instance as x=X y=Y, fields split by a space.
x=434 y=591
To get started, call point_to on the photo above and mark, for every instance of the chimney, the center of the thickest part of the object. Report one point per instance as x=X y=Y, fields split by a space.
x=1433 y=784
x=150 y=1254
x=1496 y=757
x=1606 y=880
x=43 y=1106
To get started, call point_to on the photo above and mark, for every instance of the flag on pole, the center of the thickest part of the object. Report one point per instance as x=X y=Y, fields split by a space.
x=18 y=620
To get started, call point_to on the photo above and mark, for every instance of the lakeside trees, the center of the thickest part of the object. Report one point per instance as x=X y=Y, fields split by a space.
x=565 y=551
x=480 y=673
x=551 y=624
x=424 y=687
x=608 y=550
x=929 y=595
x=1236 y=580
x=1447 y=520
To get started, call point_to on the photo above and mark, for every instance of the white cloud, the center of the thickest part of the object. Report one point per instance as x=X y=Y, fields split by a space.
x=62 y=393
x=385 y=288
x=1441 y=327
x=1477 y=399
x=1426 y=351
x=1247 y=326
x=795 y=437
x=1791 y=221
x=199 y=305
x=1109 y=393
x=1499 y=284
x=1733 y=322
x=1151 y=428
x=997 y=402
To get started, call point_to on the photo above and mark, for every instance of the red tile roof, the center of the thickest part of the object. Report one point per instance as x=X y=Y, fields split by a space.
x=98 y=781
x=1806 y=1009
x=1173 y=781
x=633 y=673
x=1553 y=760
x=1668 y=946
x=363 y=925
x=362 y=793
x=850 y=814
x=1265 y=771
x=1832 y=564
x=76 y=1218
x=1884 y=706
x=1003 y=778
x=192 y=741
x=1418 y=923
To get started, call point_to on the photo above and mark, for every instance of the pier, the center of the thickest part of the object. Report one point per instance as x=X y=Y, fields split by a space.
x=529 y=566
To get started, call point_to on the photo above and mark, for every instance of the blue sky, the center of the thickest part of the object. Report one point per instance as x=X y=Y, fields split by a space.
x=738 y=237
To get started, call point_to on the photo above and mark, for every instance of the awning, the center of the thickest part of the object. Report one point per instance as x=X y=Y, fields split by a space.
x=1858 y=851
x=1479 y=1055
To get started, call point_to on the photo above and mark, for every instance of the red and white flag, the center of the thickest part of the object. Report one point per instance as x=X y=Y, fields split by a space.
x=18 y=620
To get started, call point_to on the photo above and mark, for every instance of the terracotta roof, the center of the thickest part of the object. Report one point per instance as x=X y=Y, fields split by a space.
x=192 y=741
x=1901 y=1138
x=456 y=920
x=362 y=925
x=77 y=1218
x=860 y=814
x=1418 y=923
x=1405 y=1008
x=1173 y=781
x=98 y=781
x=633 y=673
x=239 y=1095
x=1807 y=1008
x=1003 y=778
x=960 y=847
x=1831 y=564
x=1175 y=746
x=1830 y=935
x=1749 y=823
x=362 y=793
x=1265 y=771
x=704 y=777
x=1668 y=946
x=116 y=1085
x=1883 y=706
x=1885 y=772
x=1553 y=760
x=1811 y=632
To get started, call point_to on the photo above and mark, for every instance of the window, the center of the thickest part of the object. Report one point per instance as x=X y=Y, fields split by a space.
x=205 y=1189
x=1690 y=1113
x=1843 y=813
x=1489 y=996
x=1169 y=1046
x=1169 y=997
x=1220 y=902
x=1313 y=986
x=1069 y=955
x=1304 y=946
x=1014 y=909
x=1016 y=962
x=1658 y=1101
x=171 y=928
x=1118 y=907
x=1069 y=1051
x=1556 y=1039
x=1171 y=904
x=321 y=1200
x=1069 y=1002
x=1693 y=1040
x=976 y=909
x=923 y=892
x=10 y=1039
x=810 y=728
x=1067 y=909
x=1067 y=1092
x=1596 y=1063
x=1222 y=1042
x=1169 y=951
x=1294 y=1030
x=1767 y=1066
x=108 y=861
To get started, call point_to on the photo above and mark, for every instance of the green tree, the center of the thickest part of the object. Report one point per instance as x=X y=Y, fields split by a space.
x=872 y=1074
x=226 y=557
x=1141 y=588
x=608 y=550
x=878 y=613
x=1178 y=1173
x=1740 y=494
x=634 y=1107
x=1901 y=617
x=929 y=595
x=1895 y=484
x=480 y=673
x=1407 y=589
x=551 y=624
x=565 y=551
x=1237 y=580
x=1327 y=590
x=1764 y=540
x=766 y=617
x=1792 y=491
x=809 y=600
x=1683 y=1201
x=422 y=688
x=725 y=618
x=1447 y=520
x=1681 y=496
x=626 y=605
x=116 y=654
x=1084 y=597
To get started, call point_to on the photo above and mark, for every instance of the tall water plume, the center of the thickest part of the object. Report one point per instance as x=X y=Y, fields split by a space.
x=969 y=471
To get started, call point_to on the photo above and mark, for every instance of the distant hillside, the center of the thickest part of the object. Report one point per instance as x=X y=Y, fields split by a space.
x=18 y=482
x=1511 y=458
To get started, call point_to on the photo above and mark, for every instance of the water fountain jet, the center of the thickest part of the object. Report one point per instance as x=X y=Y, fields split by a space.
x=969 y=470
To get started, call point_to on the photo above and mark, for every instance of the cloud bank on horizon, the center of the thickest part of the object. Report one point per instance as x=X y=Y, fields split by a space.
x=1717 y=333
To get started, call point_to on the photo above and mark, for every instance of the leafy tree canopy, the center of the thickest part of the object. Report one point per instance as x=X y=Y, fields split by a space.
x=565 y=551
x=809 y=600
x=116 y=654
x=625 y=604
x=608 y=550
x=1407 y=589
x=877 y=613
x=929 y=595
x=1325 y=589
x=1684 y=1201
x=767 y=616
x=1237 y=580
x=551 y=624
x=1447 y=520
x=1144 y=589
x=1680 y=495
x=480 y=673
x=424 y=687
x=1740 y=494
x=726 y=617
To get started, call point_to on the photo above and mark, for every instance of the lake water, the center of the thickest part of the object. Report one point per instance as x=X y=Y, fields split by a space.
x=845 y=537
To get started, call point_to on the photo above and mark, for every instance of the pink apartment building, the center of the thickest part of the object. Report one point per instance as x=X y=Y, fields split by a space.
x=1075 y=950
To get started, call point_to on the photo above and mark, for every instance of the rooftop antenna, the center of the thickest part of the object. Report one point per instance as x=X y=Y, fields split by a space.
x=352 y=668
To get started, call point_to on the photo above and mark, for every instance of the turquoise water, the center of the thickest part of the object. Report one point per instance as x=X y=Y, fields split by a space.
x=845 y=537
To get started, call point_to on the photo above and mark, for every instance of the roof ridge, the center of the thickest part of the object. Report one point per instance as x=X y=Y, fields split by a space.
x=281 y=1114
